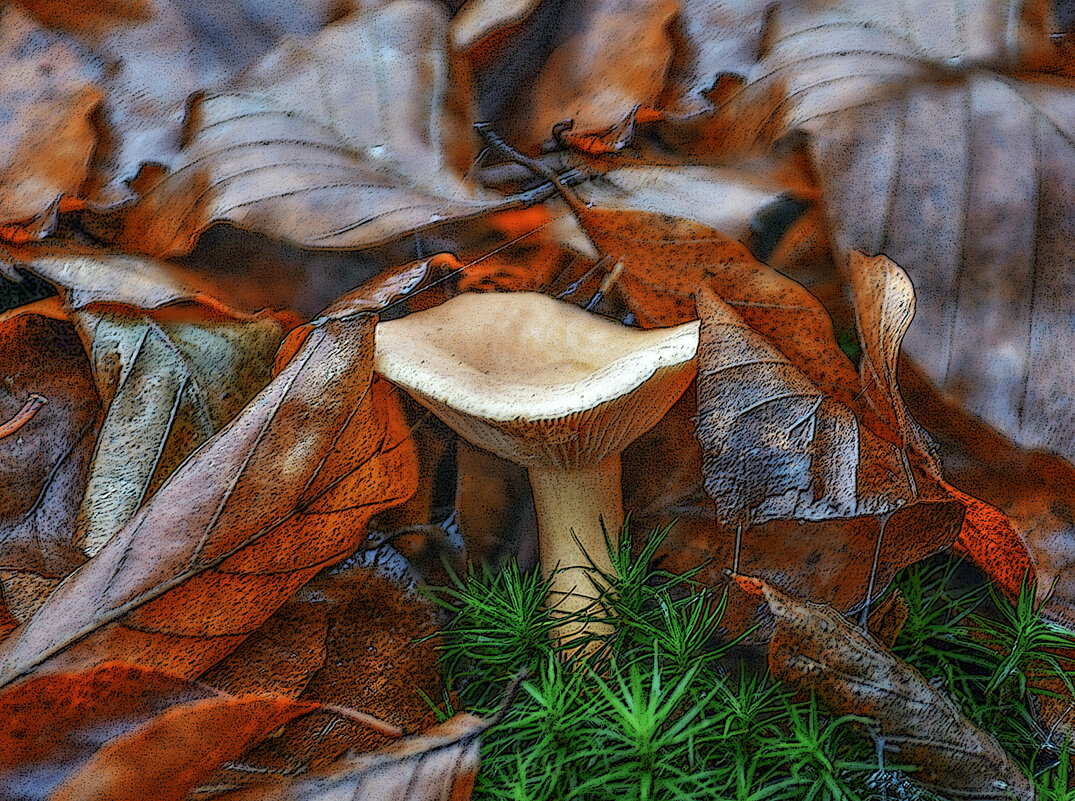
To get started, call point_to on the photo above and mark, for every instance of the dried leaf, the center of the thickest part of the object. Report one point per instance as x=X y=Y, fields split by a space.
x=371 y=296
x=825 y=560
x=350 y=139
x=89 y=276
x=285 y=490
x=43 y=466
x=359 y=636
x=1034 y=532
x=779 y=445
x=592 y=61
x=172 y=754
x=935 y=146
x=46 y=136
x=124 y=732
x=715 y=37
x=438 y=765
x=726 y=199
x=815 y=647
x=170 y=380
x=480 y=18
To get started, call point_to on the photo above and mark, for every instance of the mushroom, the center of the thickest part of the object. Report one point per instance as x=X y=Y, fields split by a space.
x=555 y=389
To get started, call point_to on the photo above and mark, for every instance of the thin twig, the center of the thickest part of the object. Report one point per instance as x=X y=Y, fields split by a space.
x=24 y=416
x=369 y=721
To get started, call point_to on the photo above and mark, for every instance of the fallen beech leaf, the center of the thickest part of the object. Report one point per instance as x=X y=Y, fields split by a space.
x=778 y=442
x=172 y=364
x=153 y=56
x=282 y=655
x=726 y=199
x=283 y=491
x=715 y=37
x=786 y=432
x=825 y=560
x=815 y=647
x=593 y=61
x=350 y=139
x=43 y=466
x=88 y=276
x=171 y=755
x=376 y=654
x=936 y=145
x=170 y=380
x=438 y=765
x=770 y=377
x=1034 y=490
x=371 y=296
x=46 y=136
x=123 y=732
x=480 y=18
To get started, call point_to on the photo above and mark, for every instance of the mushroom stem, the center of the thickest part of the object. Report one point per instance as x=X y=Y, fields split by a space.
x=571 y=507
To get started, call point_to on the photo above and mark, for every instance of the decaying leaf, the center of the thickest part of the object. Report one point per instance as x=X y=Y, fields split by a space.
x=480 y=18
x=815 y=647
x=726 y=199
x=781 y=436
x=438 y=765
x=357 y=635
x=170 y=380
x=123 y=732
x=788 y=437
x=44 y=463
x=936 y=147
x=171 y=364
x=826 y=560
x=592 y=61
x=47 y=92
x=283 y=491
x=714 y=38
x=172 y=754
x=351 y=138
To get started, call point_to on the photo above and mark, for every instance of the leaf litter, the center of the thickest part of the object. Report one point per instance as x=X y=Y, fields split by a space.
x=203 y=488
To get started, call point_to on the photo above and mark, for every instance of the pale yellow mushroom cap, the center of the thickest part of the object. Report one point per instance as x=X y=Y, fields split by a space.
x=534 y=380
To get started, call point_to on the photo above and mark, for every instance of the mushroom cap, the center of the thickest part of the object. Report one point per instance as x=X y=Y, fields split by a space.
x=534 y=380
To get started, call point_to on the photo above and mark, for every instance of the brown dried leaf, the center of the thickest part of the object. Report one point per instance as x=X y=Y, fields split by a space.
x=769 y=365
x=480 y=18
x=1034 y=489
x=124 y=732
x=285 y=490
x=778 y=441
x=817 y=648
x=113 y=84
x=826 y=560
x=173 y=754
x=43 y=466
x=935 y=146
x=349 y=139
x=46 y=138
x=725 y=199
x=355 y=636
x=438 y=765
x=170 y=380
x=593 y=61
x=714 y=37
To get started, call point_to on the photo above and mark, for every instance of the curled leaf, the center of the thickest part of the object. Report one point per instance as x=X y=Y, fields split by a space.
x=814 y=647
x=438 y=765
x=123 y=732
x=349 y=139
x=283 y=491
